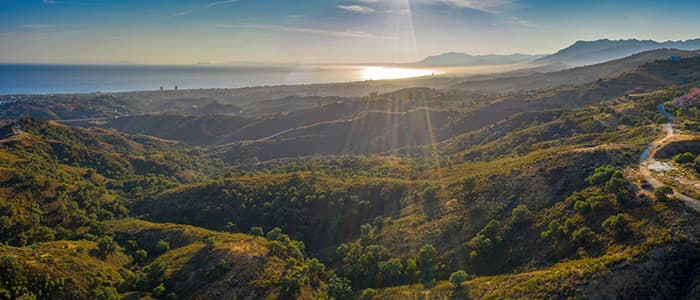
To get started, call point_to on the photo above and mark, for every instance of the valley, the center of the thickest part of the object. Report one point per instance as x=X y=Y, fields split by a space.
x=526 y=186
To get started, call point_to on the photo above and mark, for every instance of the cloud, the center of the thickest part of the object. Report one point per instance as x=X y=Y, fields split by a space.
x=360 y=9
x=51 y=2
x=489 y=6
x=38 y=26
x=189 y=11
x=311 y=31
x=217 y=3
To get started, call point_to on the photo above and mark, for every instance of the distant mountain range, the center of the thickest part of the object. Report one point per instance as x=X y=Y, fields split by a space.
x=463 y=59
x=593 y=52
x=579 y=54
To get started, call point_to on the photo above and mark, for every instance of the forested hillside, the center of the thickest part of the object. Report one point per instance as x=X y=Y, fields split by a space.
x=411 y=194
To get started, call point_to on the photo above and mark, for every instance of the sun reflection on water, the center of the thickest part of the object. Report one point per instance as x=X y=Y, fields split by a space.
x=381 y=73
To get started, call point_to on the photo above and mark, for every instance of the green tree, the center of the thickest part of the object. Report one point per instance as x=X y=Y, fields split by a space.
x=106 y=246
x=257 y=231
x=662 y=193
x=583 y=236
x=684 y=158
x=458 y=277
x=158 y=290
x=162 y=246
x=107 y=293
x=391 y=271
x=140 y=256
x=521 y=213
x=618 y=225
x=368 y=294
x=339 y=288
x=426 y=262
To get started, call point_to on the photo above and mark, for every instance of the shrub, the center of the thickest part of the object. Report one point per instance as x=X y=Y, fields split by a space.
x=162 y=246
x=684 y=158
x=661 y=193
x=140 y=256
x=257 y=231
x=553 y=229
x=368 y=294
x=521 y=213
x=106 y=246
x=339 y=288
x=158 y=290
x=617 y=225
x=583 y=236
x=458 y=277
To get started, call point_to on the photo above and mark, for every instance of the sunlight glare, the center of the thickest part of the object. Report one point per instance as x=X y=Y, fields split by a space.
x=381 y=73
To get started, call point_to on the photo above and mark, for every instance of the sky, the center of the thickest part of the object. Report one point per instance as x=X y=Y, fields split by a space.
x=321 y=31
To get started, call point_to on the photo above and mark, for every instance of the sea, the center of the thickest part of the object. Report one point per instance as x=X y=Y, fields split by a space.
x=59 y=79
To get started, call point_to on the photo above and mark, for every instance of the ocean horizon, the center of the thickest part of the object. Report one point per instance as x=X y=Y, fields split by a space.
x=66 y=79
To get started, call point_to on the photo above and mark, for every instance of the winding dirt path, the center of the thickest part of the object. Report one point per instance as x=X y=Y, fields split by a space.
x=647 y=159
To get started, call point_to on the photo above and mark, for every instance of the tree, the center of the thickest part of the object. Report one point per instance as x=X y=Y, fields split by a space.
x=339 y=288
x=162 y=246
x=684 y=158
x=618 y=225
x=106 y=246
x=390 y=271
x=158 y=290
x=140 y=256
x=368 y=294
x=661 y=193
x=107 y=293
x=257 y=231
x=521 y=213
x=426 y=262
x=458 y=277
x=583 y=236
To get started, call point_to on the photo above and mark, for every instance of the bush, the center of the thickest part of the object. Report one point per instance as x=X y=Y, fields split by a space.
x=684 y=158
x=162 y=246
x=618 y=225
x=106 y=246
x=140 y=256
x=368 y=294
x=158 y=290
x=257 y=231
x=661 y=193
x=583 y=236
x=458 y=277
x=521 y=213
x=339 y=288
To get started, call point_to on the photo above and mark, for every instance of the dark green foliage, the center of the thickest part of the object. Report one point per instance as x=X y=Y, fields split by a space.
x=158 y=290
x=257 y=231
x=662 y=193
x=684 y=158
x=603 y=174
x=426 y=263
x=162 y=246
x=140 y=256
x=583 y=236
x=106 y=246
x=618 y=225
x=521 y=213
x=368 y=294
x=339 y=288
x=107 y=293
x=458 y=277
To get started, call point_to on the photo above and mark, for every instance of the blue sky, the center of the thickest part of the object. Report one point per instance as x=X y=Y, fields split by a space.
x=307 y=31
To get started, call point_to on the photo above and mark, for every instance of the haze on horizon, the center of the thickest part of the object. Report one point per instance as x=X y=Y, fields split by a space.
x=320 y=31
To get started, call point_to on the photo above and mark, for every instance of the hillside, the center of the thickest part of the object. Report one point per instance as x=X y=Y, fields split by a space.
x=573 y=76
x=463 y=59
x=594 y=52
x=417 y=192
